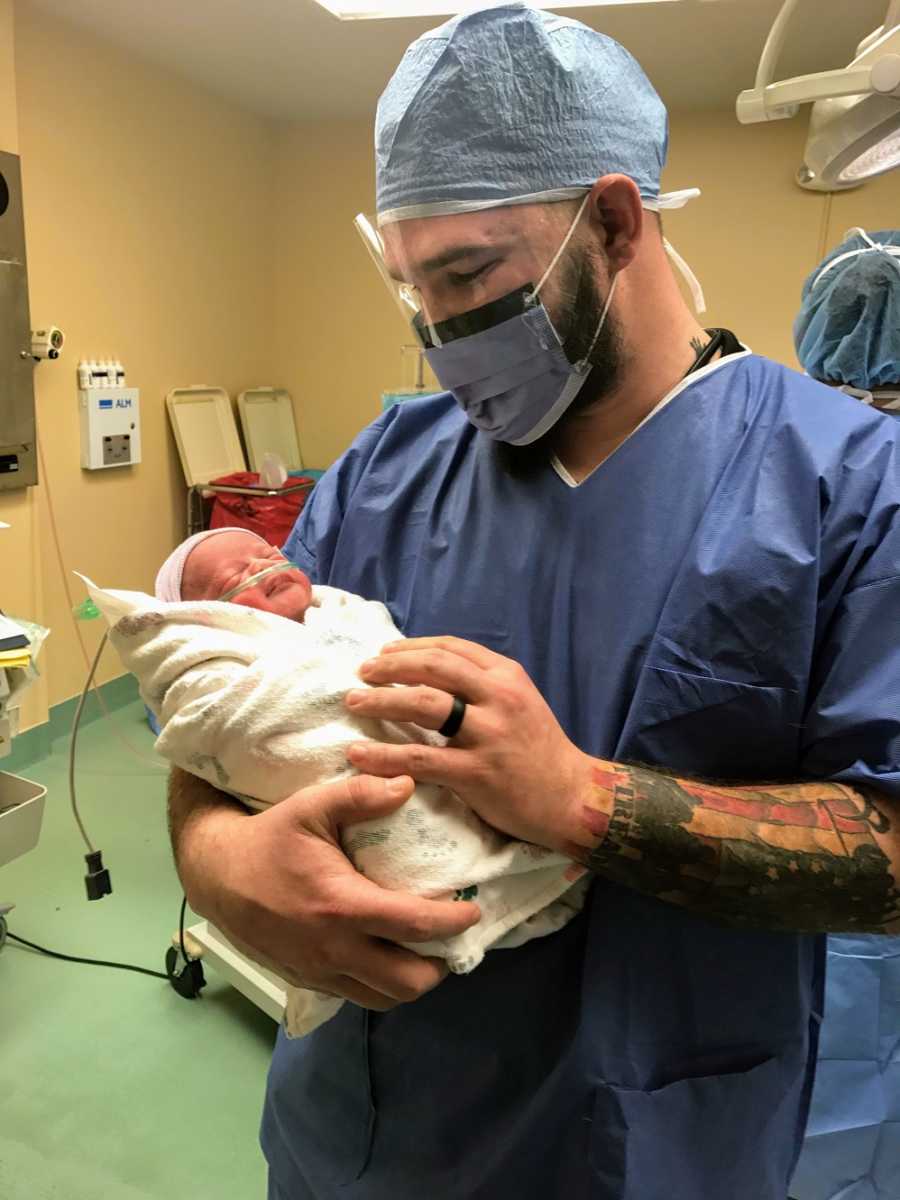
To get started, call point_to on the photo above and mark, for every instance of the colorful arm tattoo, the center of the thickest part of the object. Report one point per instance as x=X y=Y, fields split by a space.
x=799 y=857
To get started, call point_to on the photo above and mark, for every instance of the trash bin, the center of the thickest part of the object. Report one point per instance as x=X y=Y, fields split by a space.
x=271 y=512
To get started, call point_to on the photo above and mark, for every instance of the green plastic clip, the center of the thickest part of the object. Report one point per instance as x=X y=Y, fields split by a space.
x=87 y=610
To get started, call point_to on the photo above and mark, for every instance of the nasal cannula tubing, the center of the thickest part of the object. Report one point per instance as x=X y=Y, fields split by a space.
x=285 y=565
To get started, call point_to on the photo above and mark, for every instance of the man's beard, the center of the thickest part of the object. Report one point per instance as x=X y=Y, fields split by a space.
x=607 y=358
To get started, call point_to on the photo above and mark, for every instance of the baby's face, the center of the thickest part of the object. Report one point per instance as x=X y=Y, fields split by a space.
x=221 y=563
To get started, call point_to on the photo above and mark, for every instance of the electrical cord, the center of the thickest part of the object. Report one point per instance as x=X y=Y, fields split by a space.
x=73 y=738
x=91 y=962
x=188 y=982
x=97 y=880
x=184 y=953
x=144 y=758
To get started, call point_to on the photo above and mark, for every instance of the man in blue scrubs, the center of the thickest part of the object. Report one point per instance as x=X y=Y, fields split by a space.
x=617 y=539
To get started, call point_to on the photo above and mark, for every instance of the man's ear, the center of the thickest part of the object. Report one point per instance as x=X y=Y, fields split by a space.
x=616 y=215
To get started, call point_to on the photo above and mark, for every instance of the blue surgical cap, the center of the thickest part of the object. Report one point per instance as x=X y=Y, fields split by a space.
x=848 y=327
x=513 y=104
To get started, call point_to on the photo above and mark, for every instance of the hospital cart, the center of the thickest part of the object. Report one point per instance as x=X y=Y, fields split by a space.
x=21 y=815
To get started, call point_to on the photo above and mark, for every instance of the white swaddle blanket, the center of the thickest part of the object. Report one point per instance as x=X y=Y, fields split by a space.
x=254 y=703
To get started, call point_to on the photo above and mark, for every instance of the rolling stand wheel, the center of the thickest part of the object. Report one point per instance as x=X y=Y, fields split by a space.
x=185 y=975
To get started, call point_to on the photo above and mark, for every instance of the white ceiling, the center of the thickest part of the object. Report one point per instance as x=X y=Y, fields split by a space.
x=291 y=60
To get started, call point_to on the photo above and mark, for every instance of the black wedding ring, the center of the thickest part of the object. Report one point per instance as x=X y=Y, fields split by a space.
x=453 y=724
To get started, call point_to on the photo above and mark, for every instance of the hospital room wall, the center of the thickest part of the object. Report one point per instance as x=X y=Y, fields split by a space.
x=149 y=239
x=338 y=336
x=752 y=238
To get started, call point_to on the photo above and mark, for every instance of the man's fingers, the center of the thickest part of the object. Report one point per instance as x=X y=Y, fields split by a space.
x=480 y=656
x=288 y=974
x=399 y=917
x=362 y=797
x=439 y=669
x=426 y=764
x=424 y=706
x=396 y=973
x=366 y=997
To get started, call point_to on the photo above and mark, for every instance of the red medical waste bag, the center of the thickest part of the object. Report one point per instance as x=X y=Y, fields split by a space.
x=272 y=517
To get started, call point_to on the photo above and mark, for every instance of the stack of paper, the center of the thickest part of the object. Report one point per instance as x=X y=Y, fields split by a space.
x=12 y=635
x=15 y=645
x=14 y=658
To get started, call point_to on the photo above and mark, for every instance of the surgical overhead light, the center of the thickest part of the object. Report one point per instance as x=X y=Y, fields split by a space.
x=854 y=128
x=360 y=10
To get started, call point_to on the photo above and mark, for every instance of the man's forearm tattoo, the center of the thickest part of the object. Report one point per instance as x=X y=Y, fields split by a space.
x=800 y=856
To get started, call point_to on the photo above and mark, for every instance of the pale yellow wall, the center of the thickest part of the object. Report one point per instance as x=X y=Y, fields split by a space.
x=9 y=134
x=338 y=336
x=751 y=238
x=876 y=206
x=20 y=580
x=149 y=240
x=753 y=235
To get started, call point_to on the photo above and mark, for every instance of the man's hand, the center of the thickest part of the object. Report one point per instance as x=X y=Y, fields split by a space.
x=813 y=855
x=281 y=889
x=510 y=762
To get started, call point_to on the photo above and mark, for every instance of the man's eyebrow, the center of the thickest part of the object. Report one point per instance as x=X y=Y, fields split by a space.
x=454 y=254
x=498 y=239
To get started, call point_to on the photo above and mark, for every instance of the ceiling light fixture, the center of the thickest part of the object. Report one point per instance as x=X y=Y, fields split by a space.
x=854 y=127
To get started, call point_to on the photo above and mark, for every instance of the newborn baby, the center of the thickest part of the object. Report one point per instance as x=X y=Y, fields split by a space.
x=235 y=565
x=249 y=695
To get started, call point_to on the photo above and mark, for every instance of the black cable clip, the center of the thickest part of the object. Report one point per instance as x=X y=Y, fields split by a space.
x=97 y=881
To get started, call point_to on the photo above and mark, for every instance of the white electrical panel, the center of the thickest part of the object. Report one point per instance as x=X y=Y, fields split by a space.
x=110 y=427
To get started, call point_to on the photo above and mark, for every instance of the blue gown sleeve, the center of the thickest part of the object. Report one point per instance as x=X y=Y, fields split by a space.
x=852 y=728
x=312 y=541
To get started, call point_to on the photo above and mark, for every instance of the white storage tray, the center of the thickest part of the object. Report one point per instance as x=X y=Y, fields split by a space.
x=21 y=813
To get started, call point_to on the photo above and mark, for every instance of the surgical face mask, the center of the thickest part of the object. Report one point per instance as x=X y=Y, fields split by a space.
x=253 y=580
x=505 y=363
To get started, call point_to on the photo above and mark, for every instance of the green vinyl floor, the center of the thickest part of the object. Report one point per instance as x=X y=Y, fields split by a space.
x=112 y=1087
